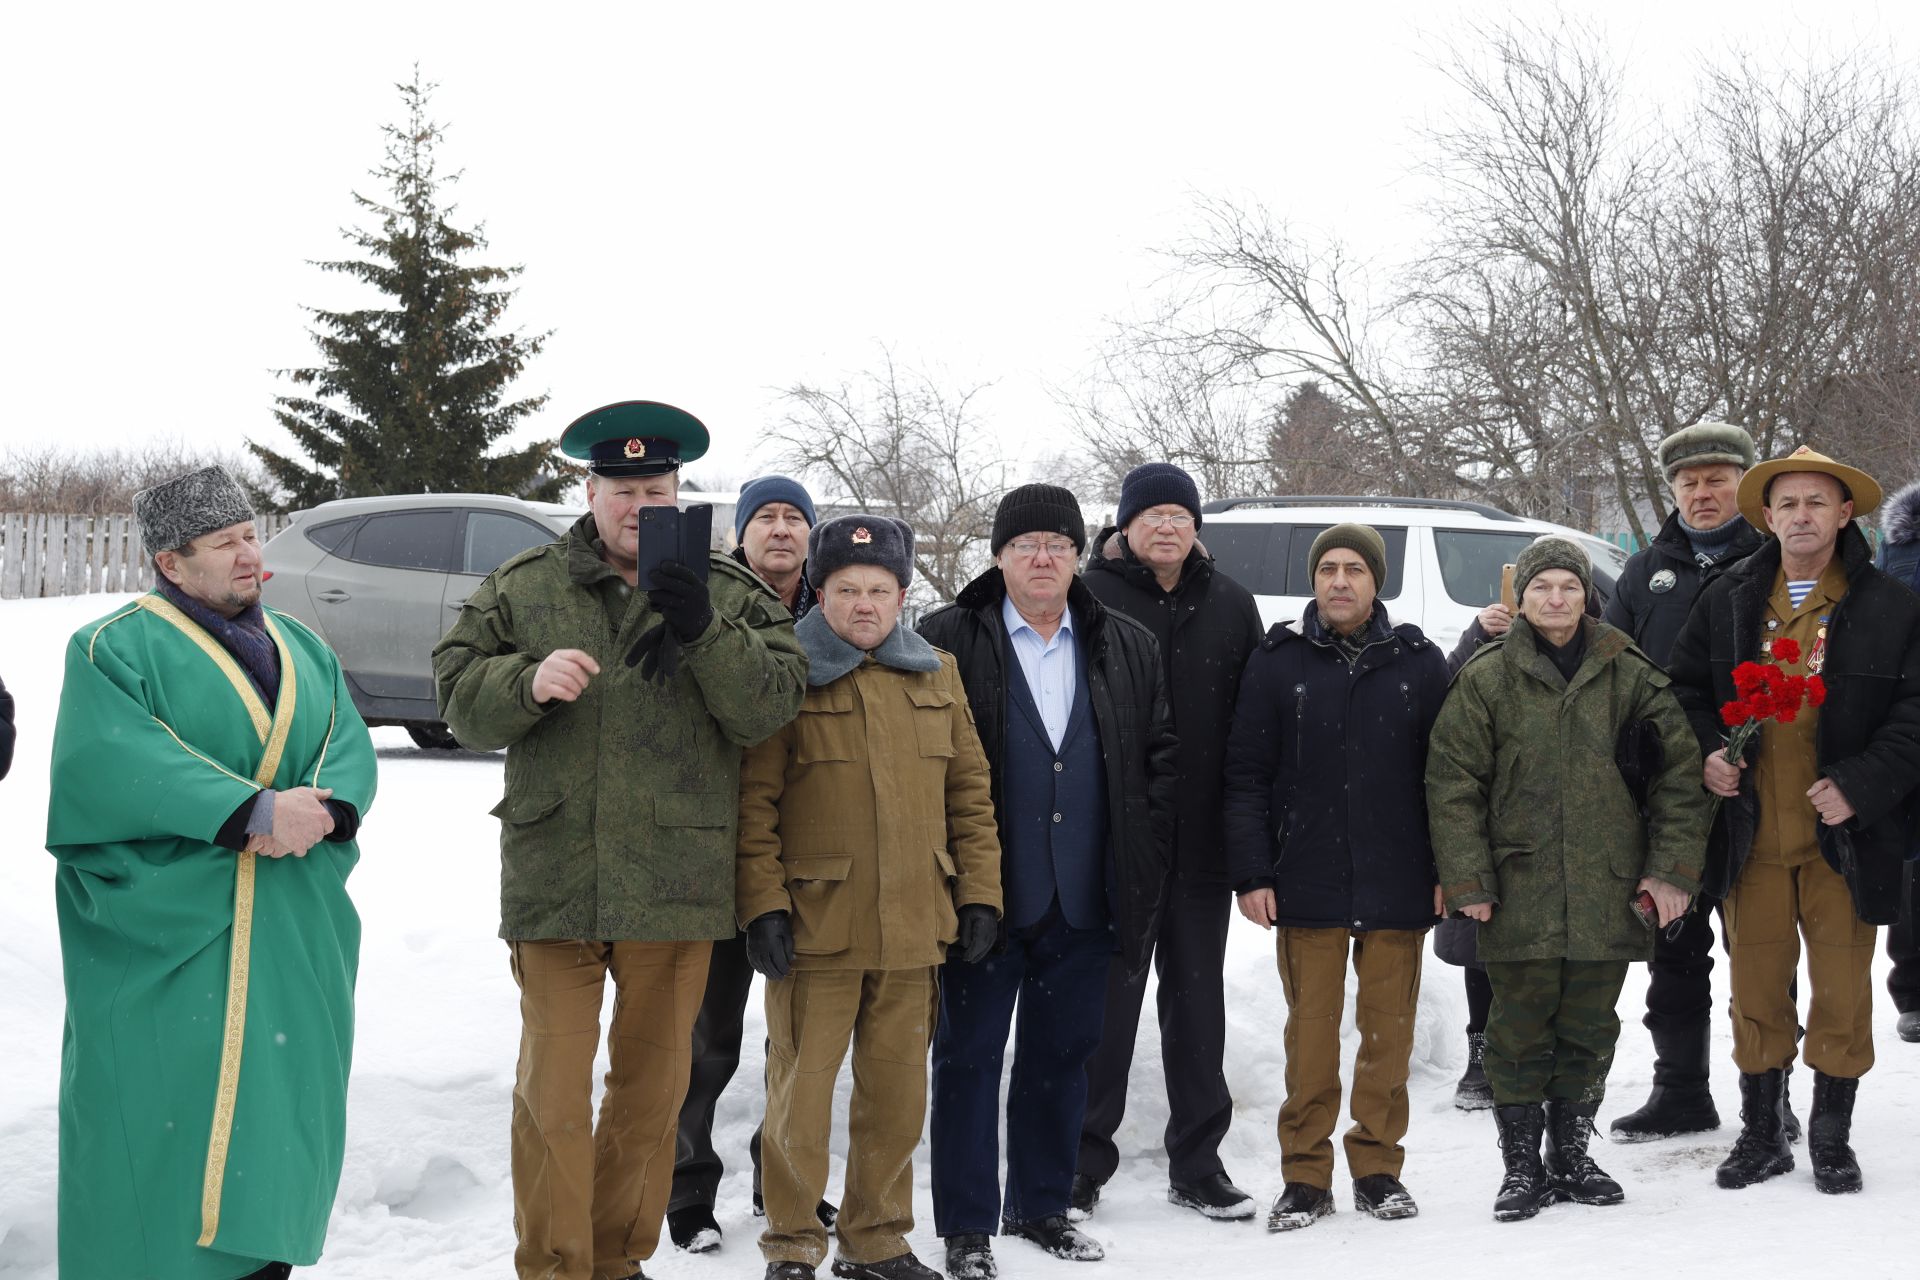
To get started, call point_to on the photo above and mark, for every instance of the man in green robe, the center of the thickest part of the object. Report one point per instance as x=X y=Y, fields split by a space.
x=209 y=773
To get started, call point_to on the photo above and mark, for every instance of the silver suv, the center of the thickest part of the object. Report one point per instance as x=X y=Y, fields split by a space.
x=1443 y=557
x=380 y=579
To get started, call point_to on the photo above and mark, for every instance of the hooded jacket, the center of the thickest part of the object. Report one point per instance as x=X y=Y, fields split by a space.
x=1900 y=522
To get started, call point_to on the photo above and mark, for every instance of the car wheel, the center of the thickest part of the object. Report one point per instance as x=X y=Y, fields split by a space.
x=432 y=735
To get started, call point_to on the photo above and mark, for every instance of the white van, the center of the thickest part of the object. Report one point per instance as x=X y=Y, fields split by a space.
x=1443 y=557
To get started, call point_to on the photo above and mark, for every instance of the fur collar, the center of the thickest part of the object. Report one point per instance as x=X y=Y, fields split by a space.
x=1901 y=521
x=829 y=657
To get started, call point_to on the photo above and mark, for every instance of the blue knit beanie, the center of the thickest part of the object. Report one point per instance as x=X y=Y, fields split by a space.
x=755 y=494
x=1153 y=484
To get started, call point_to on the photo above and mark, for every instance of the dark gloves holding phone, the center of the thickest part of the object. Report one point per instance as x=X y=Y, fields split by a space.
x=680 y=596
x=979 y=930
x=770 y=945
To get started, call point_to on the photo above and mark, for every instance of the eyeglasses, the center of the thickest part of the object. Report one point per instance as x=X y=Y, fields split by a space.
x=1058 y=548
x=1179 y=520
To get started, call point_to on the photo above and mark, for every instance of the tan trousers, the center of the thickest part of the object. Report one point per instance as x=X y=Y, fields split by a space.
x=812 y=1014
x=588 y=1199
x=1313 y=974
x=1771 y=908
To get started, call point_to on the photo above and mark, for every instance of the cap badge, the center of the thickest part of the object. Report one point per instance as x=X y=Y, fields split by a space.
x=636 y=448
x=1662 y=581
x=861 y=535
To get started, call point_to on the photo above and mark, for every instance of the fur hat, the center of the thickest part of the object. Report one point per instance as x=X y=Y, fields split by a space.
x=1153 y=484
x=1551 y=552
x=1900 y=521
x=1039 y=508
x=1705 y=444
x=755 y=494
x=1363 y=540
x=860 y=539
x=1756 y=487
x=175 y=512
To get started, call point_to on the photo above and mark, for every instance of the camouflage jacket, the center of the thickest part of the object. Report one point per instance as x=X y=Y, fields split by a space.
x=1528 y=809
x=621 y=808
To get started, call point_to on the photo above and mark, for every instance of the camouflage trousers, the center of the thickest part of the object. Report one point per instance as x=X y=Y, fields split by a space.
x=1552 y=1028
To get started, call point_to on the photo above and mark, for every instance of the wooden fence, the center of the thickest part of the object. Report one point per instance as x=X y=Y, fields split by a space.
x=47 y=555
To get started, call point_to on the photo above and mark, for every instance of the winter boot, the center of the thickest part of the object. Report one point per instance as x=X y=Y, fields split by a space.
x=904 y=1267
x=1473 y=1093
x=970 y=1257
x=788 y=1271
x=1908 y=1027
x=1213 y=1196
x=1526 y=1189
x=693 y=1228
x=1673 y=1109
x=1299 y=1205
x=1789 y=1122
x=1572 y=1170
x=1381 y=1195
x=1082 y=1196
x=1835 y=1171
x=1761 y=1150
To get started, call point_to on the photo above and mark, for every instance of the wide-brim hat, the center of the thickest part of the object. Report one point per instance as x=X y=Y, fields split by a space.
x=1753 y=486
x=634 y=438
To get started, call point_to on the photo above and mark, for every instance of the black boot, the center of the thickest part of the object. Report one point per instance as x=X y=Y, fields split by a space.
x=1674 y=1108
x=1761 y=1150
x=1829 y=1128
x=1473 y=1093
x=692 y=1227
x=1526 y=1189
x=1789 y=1122
x=1569 y=1126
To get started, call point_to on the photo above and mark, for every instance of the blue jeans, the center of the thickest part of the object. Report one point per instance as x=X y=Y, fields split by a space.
x=1057 y=975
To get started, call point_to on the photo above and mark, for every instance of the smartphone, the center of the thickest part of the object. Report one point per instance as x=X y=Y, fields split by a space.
x=1506 y=589
x=668 y=533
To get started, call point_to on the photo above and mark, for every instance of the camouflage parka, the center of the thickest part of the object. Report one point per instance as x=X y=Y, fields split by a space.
x=621 y=808
x=1528 y=809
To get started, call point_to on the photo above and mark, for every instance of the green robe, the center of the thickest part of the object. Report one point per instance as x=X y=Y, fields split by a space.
x=203 y=1082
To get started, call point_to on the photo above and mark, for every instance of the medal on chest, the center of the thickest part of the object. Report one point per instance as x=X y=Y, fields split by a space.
x=1817 y=656
x=1663 y=581
x=1766 y=645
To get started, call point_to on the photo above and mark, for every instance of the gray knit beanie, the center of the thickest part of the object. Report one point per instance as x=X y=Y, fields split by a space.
x=1551 y=552
x=175 y=512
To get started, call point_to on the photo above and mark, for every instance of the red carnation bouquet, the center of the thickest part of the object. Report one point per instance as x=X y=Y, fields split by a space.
x=1767 y=693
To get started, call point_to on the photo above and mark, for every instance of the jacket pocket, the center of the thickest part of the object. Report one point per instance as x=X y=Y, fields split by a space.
x=533 y=846
x=946 y=917
x=822 y=906
x=932 y=721
x=825 y=729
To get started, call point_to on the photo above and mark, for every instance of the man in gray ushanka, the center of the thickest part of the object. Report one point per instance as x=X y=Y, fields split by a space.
x=1703 y=536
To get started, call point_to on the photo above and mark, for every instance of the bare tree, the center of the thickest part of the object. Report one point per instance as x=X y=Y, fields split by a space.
x=53 y=480
x=900 y=443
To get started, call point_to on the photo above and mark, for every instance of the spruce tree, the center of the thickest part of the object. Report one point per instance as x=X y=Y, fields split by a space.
x=410 y=397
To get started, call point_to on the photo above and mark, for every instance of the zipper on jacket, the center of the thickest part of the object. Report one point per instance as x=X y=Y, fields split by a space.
x=1299 y=722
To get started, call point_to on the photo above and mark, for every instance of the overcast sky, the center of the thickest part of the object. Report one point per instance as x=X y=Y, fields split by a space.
x=711 y=201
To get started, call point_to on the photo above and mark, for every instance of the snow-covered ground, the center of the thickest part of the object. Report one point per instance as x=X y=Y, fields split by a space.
x=425 y=1191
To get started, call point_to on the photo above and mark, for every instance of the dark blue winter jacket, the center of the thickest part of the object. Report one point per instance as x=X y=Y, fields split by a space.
x=1326 y=769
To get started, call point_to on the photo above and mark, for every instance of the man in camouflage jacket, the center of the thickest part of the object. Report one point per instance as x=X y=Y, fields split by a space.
x=617 y=830
x=1539 y=835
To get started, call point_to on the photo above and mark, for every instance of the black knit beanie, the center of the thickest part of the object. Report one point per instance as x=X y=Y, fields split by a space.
x=1153 y=484
x=1039 y=508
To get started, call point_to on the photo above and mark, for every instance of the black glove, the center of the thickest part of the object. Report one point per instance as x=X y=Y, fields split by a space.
x=681 y=598
x=656 y=653
x=979 y=930
x=770 y=945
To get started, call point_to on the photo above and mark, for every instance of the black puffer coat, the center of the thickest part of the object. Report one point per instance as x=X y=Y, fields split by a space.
x=1326 y=776
x=1129 y=697
x=1868 y=738
x=1653 y=617
x=1206 y=628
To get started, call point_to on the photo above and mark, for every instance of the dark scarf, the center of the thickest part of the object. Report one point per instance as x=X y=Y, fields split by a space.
x=1349 y=647
x=1565 y=657
x=244 y=636
x=1710 y=544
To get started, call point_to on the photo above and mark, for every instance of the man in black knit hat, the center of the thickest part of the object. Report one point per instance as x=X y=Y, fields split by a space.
x=1071 y=704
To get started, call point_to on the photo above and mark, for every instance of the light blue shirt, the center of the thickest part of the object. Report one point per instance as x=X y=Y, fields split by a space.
x=1050 y=667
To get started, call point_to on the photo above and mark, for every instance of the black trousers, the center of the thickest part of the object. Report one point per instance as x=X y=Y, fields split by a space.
x=1189 y=959
x=716 y=1056
x=1903 y=948
x=1680 y=999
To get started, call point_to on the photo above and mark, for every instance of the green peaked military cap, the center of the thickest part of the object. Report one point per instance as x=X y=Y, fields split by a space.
x=634 y=438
